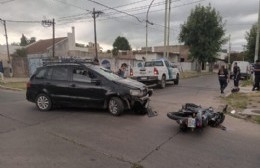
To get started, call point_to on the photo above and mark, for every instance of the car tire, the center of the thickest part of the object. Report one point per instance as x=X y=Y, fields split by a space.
x=43 y=102
x=115 y=106
x=163 y=82
x=176 y=81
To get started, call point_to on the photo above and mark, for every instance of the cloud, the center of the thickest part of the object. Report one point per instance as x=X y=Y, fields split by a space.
x=239 y=16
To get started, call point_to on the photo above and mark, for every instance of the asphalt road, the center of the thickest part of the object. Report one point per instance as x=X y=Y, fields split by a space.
x=80 y=138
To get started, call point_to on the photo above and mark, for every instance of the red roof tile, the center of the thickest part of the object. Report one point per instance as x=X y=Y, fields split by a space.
x=42 y=45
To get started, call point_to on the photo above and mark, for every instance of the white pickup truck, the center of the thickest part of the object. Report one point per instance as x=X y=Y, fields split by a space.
x=156 y=72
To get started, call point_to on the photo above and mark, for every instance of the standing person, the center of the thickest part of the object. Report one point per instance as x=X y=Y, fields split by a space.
x=236 y=76
x=96 y=61
x=257 y=75
x=223 y=78
x=121 y=71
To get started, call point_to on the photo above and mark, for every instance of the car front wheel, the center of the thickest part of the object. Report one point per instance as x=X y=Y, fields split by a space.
x=115 y=106
x=43 y=102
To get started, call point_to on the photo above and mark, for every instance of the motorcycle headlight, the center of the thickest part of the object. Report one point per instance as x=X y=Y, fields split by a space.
x=136 y=92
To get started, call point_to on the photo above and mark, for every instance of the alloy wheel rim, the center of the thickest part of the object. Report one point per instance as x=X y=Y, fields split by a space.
x=43 y=102
x=113 y=106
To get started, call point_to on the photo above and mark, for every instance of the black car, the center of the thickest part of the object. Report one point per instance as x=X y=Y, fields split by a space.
x=86 y=85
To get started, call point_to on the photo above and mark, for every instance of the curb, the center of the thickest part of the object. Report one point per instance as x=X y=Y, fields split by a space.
x=9 y=88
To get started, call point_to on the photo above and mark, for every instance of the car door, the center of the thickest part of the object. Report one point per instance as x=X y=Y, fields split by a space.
x=86 y=87
x=56 y=84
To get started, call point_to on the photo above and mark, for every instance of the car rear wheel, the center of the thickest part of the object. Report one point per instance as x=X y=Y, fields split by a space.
x=43 y=102
x=115 y=106
x=163 y=82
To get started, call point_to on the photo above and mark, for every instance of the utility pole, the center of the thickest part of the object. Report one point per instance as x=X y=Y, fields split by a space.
x=257 y=35
x=95 y=14
x=48 y=23
x=229 y=49
x=6 y=39
x=169 y=25
x=53 y=38
x=147 y=21
x=165 y=27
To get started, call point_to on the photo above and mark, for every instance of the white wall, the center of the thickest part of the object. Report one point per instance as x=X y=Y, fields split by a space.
x=149 y=57
x=184 y=66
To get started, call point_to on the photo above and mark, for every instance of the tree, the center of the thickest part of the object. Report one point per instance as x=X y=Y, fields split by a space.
x=32 y=40
x=236 y=56
x=20 y=52
x=250 y=46
x=120 y=43
x=204 y=34
x=24 y=41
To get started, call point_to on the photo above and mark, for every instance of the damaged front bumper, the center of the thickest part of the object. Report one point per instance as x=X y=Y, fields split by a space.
x=141 y=105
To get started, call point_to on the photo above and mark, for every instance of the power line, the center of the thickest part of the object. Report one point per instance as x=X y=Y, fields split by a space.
x=23 y=21
x=129 y=4
x=152 y=11
x=115 y=13
x=116 y=10
x=73 y=5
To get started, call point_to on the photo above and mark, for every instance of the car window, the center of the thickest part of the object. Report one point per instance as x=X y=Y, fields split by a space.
x=82 y=75
x=49 y=73
x=60 y=73
x=158 y=63
x=40 y=74
x=153 y=63
x=167 y=63
x=148 y=64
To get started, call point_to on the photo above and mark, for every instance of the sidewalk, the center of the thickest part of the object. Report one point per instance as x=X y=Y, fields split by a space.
x=252 y=109
x=7 y=79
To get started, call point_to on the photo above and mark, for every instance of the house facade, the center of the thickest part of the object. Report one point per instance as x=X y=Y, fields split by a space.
x=5 y=67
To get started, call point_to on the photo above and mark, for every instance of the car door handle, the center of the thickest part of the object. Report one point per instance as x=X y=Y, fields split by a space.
x=72 y=85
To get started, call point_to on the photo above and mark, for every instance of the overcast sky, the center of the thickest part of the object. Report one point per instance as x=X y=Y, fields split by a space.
x=239 y=16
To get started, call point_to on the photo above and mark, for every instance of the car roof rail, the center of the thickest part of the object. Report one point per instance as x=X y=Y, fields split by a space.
x=69 y=60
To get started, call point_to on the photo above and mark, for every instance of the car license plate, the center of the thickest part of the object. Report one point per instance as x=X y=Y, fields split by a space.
x=143 y=78
x=191 y=122
x=142 y=72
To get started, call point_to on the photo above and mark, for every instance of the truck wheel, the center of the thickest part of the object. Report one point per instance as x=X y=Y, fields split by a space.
x=115 y=106
x=176 y=81
x=163 y=82
x=43 y=102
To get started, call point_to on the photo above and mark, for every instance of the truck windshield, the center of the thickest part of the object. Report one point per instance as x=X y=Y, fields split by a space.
x=153 y=63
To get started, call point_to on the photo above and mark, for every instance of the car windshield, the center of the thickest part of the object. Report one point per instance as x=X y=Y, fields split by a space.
x=107 y=73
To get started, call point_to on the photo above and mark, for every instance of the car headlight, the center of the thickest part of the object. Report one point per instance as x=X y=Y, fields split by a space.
x=136 y=92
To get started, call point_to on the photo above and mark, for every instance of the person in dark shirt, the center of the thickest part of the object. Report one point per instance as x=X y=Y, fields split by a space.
x=121 y=71
x=257 y=75
x=223 y=78
x=236 y=73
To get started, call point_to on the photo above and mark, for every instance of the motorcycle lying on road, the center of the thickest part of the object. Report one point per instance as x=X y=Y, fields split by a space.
x=194 y=116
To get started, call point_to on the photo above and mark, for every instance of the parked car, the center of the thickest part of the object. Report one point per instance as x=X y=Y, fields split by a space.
x=245 y=69
x=85 y=85
x=156 y=72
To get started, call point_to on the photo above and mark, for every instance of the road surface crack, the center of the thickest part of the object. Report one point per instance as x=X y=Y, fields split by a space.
x=70 y=140
x=158 y=147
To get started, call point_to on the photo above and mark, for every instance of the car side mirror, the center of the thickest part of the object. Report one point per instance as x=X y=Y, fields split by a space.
x=96 y=81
